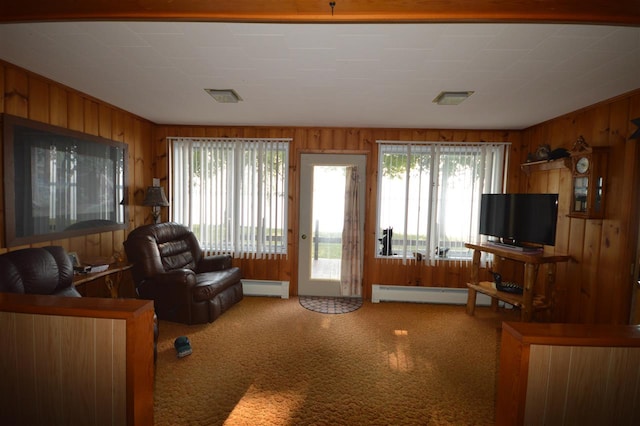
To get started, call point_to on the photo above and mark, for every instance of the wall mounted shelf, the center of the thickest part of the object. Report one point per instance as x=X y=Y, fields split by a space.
x=535 y=166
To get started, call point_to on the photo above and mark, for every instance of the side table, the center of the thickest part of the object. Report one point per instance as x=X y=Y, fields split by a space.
x=527 y=302
x=112 y=278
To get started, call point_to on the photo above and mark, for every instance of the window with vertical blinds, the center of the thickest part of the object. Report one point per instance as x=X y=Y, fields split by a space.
x=429 y=195
x=232 y=193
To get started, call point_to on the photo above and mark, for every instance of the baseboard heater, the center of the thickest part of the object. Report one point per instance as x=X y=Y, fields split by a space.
x=266 y=288
x=403 y=293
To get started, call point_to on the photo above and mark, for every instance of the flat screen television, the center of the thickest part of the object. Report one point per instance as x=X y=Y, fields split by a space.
x=519 y=219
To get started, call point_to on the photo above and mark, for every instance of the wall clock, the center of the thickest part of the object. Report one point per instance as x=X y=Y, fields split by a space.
x=588 y=182
x=582 y=165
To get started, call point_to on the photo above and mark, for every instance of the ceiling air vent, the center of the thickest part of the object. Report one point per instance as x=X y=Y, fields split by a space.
x=224 y=96
x=452 y=98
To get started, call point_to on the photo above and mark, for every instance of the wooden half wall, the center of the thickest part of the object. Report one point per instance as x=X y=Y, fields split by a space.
x=68 y=360
x=552 y=374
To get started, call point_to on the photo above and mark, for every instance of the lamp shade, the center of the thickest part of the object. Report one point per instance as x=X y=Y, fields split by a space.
x=155 y=197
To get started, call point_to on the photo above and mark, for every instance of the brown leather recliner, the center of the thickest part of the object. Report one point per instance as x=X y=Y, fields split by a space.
x=43 y=270
x=170 y=268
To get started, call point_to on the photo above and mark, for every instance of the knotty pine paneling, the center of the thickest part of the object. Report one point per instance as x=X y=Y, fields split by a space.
x=25 y=94
x=341 y=140
x=631 y=179
x=574 y=300
x=596 y=286
x=58 y=106
x=38 y=89
x=16 y=92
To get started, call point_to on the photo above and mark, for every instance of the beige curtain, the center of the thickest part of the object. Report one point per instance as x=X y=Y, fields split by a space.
x=351 y=265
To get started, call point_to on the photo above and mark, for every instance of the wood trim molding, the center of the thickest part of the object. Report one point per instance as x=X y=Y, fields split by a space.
x=620 y=12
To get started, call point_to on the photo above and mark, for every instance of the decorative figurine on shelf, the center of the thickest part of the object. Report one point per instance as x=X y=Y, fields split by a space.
x=508 y=287
x=387 y=235
x=542 y=152
x=442 y=251
x=581 y=145
x=559 y=153
x=545 y=153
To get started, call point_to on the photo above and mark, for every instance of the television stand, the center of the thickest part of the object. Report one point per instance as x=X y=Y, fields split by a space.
x=527 y=301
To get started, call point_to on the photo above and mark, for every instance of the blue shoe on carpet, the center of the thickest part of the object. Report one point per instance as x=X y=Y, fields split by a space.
x=183 y=346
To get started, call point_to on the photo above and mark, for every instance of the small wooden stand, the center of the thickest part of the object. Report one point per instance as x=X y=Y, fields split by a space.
x=527 y=301
x=112 y=279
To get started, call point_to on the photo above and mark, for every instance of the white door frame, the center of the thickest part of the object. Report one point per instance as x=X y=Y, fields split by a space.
x=316 y=287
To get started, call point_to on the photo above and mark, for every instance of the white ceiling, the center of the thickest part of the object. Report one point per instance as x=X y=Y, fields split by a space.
x=337 y=75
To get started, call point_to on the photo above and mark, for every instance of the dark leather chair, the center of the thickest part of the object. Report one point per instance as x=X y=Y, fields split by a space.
x=170 y=268
x=46 y=270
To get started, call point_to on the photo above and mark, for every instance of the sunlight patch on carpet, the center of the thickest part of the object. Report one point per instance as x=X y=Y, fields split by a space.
x=331 y=305
x=267 y=406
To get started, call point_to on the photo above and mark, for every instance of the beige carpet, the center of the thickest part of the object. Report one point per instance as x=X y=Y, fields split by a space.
x=270 y=361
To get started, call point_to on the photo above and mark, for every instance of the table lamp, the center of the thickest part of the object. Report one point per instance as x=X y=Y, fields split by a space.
x=155 y=198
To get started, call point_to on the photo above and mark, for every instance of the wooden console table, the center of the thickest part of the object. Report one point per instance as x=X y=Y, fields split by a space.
x=527 y=301
x=112 y=278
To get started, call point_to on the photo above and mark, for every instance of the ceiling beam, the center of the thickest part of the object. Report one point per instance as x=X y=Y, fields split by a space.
x=618 y=12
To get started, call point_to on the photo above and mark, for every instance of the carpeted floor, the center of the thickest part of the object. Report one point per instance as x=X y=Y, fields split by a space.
x=331 y=305
x=270 y=361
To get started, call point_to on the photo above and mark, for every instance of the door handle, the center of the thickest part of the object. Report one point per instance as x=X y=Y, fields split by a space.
x=304 y=236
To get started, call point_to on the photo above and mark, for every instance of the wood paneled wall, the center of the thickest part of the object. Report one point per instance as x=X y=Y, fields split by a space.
x=596 y=287
x=28 y=95
x=345 y=141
